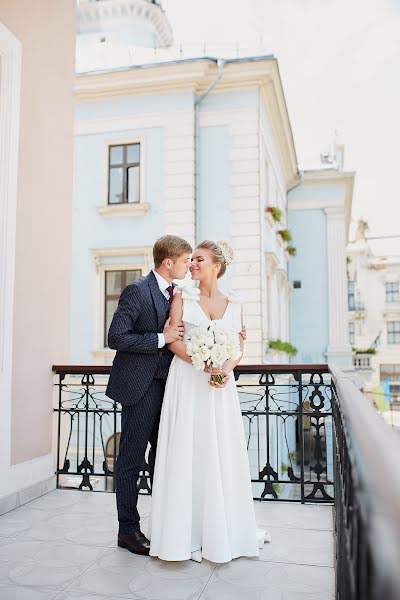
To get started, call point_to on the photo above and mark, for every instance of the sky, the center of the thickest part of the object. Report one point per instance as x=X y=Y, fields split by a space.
x=340 y=66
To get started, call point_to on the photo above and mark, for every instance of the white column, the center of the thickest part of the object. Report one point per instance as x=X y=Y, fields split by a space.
x=10 y=78
x=339 y=350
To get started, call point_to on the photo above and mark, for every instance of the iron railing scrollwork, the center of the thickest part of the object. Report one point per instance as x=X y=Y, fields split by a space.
x=287 y=415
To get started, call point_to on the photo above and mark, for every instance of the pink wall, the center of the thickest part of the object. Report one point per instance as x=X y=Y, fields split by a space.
x=46 y=29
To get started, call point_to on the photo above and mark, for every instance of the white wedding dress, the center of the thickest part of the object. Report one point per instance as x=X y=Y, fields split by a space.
x=202 y=505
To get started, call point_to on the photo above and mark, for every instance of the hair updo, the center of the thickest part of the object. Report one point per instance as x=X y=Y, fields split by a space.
x=221 y=252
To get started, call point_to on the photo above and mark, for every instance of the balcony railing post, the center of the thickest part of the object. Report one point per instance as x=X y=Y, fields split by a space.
x=301 y=435
x=60 y=380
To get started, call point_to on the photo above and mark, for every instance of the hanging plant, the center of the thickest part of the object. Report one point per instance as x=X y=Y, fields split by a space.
x=364 y=350
x=275 y=212
x=285 y=235
x=282 y=347
x=291 y=250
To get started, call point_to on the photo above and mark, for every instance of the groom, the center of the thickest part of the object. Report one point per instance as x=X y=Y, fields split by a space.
x=139 y=331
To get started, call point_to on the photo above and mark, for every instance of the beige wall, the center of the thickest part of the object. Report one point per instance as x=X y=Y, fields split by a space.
x=46 y=29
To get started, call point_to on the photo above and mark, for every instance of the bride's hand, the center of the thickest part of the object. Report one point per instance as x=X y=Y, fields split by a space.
x=212 y=371
x=224 y=382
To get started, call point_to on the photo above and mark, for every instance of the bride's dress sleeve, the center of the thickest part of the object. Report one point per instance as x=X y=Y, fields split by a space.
x=235 y=300
x=191 y=312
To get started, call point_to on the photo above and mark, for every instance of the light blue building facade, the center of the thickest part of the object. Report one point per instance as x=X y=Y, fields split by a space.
x=210 y=163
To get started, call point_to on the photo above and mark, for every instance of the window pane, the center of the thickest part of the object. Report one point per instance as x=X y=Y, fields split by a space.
x=133 y=153
x=111 y=307
x=113 y=282
x=116 y=181
x=132 y=275
x=116 y=155
x=133 y=184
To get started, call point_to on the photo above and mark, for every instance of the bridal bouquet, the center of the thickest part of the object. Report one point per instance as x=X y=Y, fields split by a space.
x=211 y=345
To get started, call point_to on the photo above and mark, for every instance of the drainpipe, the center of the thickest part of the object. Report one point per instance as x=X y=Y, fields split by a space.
x=198 y=100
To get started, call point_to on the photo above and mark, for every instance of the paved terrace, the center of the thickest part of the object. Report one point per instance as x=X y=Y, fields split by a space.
x=63 y=546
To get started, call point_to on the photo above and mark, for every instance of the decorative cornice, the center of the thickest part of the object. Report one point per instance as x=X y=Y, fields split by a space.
x=91 y=16
x=142 y=80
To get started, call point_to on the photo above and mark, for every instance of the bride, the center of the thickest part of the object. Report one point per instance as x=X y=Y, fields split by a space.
x=202 y=505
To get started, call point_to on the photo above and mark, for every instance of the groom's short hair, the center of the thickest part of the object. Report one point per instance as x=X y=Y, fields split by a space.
x=170 y=246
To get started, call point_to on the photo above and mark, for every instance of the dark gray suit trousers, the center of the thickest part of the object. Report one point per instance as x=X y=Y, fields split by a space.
x=139 y=425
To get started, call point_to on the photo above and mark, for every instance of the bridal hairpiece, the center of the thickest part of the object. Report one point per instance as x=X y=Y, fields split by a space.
x=226 y=251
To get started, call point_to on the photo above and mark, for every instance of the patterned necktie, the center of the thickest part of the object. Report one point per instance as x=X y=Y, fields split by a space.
x=170 y=291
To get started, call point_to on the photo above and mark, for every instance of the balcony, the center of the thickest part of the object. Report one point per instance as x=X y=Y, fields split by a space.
x=325 y=484
x=63 y=546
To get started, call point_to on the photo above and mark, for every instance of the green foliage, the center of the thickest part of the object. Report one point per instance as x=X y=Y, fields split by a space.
x=282 y=347
x=275 y=212
x=285 y=234
x=292 y=250
x=277 y=487
x=364 y=350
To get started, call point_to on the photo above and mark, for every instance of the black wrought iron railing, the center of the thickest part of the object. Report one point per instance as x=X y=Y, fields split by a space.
x=287 y=416
x=311 y=436
x=367 y=497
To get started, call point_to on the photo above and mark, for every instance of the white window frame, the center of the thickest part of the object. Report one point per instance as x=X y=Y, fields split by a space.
x=391 y=291
x=125 y=209
x=395 y=333
x=100 y=351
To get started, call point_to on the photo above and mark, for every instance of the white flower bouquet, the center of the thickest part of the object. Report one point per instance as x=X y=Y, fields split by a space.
x=211 y=345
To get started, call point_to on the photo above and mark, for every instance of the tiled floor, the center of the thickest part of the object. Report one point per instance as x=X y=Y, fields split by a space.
x=63 y=546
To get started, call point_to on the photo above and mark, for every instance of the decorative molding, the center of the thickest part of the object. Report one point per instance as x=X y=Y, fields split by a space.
x=316 y=203
x=177 y=120
x=123 y=210
x=273 y=99
x=92 y=15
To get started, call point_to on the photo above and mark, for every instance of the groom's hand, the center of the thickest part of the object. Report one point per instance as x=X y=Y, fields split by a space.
x=172 y=333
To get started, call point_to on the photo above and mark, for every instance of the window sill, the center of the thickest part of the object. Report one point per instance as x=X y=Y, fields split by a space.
x=123 y=210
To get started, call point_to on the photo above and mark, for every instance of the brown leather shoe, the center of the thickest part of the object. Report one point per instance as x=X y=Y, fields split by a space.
x=135 y=542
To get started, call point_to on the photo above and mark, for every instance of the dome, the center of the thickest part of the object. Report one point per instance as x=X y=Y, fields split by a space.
x=130 y=22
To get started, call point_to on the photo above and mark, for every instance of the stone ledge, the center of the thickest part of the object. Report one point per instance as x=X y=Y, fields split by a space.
x=123 y=210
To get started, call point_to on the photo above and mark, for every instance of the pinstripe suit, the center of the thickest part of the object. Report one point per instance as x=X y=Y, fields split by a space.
x=137 y=382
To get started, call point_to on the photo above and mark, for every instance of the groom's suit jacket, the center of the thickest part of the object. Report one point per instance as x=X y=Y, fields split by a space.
x=141 y=314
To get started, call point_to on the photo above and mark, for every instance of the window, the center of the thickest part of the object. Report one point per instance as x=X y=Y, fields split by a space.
x=124 y=174
x=389 y=371
x=350 y=295
x=352 y=333
x=115 y=282
x=393 y=332
x=392 y=291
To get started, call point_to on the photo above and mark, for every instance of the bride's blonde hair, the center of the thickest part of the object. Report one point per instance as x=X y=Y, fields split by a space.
x=221 y=251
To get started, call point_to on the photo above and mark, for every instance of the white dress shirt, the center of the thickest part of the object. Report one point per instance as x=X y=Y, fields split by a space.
x=163 y=284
